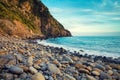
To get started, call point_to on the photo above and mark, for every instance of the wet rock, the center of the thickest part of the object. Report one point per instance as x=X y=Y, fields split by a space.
x=53 y=69
x=68 y=77
x=90 y=77
x=33 y=70
x=15 y=70
x=38 y=76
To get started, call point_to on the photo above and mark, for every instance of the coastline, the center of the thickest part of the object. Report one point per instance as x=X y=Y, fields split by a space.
x=29 y=58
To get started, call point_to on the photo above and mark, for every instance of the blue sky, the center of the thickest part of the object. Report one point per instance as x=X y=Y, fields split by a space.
x=87 y=17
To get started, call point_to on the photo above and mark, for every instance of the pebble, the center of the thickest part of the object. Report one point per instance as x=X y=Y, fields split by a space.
x=90 y=77
x=53 y=69
x=38 y=76
x=68 y=77
x=30 y=61
x=110 y=72
x=95 y=73
x=15 y=70
x=100 y=67
x=104 y=75
x=84 y=71
x=67 y=58
x=33 y=70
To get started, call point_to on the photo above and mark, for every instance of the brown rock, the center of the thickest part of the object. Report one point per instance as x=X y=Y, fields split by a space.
x=96 y=69
x=24 y=68
x=95 y=73
x=84 y=71
x=79 y=65
x=38 y=76
x=110 y=72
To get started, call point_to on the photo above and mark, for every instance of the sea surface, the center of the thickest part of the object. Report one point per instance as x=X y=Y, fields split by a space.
x=93 y=45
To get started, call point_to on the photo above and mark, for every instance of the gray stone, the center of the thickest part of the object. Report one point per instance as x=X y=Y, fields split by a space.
x=104 y=75
x=15 y=70
x=50 y=78
x=100 y=67
x=67 y=58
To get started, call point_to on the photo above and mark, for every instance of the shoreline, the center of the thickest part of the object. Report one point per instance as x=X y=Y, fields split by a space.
x=81 y=51
x=52 y=63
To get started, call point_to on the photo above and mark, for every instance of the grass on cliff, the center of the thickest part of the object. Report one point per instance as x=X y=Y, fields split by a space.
x=13 y=13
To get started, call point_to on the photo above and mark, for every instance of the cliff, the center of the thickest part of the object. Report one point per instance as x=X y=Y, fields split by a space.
x=29 y=19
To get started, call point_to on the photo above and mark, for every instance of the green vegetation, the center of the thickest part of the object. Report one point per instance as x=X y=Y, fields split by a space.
x=8 y=13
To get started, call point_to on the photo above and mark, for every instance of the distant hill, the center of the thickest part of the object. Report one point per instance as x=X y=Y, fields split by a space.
x=28 y=19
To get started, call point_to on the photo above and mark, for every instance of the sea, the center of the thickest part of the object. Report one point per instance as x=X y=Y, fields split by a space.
x=108 y=46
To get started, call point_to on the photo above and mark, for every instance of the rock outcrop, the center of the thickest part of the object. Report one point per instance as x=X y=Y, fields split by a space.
x=29 y=19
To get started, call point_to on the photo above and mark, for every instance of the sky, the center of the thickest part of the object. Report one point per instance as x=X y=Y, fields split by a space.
x=87 y=17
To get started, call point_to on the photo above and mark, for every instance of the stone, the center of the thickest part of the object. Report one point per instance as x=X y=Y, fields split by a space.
x=50 y=78
x=7 y=60
x=23 y=76
x=79 y=65
x=67 y=58
x=19 y=57
x=83 y=71
x=57 y=63
x=90 y=77
x=24 y=68
x=33 y=70
x=116 y=75
x=38 y=76
x=15 y=70
x=7 y=76
x=95 y=73
x=36 y=66
x=96 y=69
x=68 y=77
x=108 y=67
x=110 y=72
x=100 y=67
x=53 y=69
x=30 y=61
x=104 y=75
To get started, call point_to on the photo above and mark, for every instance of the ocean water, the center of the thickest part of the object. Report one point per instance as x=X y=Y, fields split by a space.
x=93 y=45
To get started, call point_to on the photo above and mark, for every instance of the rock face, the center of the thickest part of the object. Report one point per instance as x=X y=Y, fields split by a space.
x=29 y=19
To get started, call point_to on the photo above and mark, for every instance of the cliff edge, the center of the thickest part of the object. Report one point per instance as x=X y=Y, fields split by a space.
x=29 y=19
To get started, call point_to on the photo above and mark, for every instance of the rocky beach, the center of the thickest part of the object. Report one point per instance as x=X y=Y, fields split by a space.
x=27 y=60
